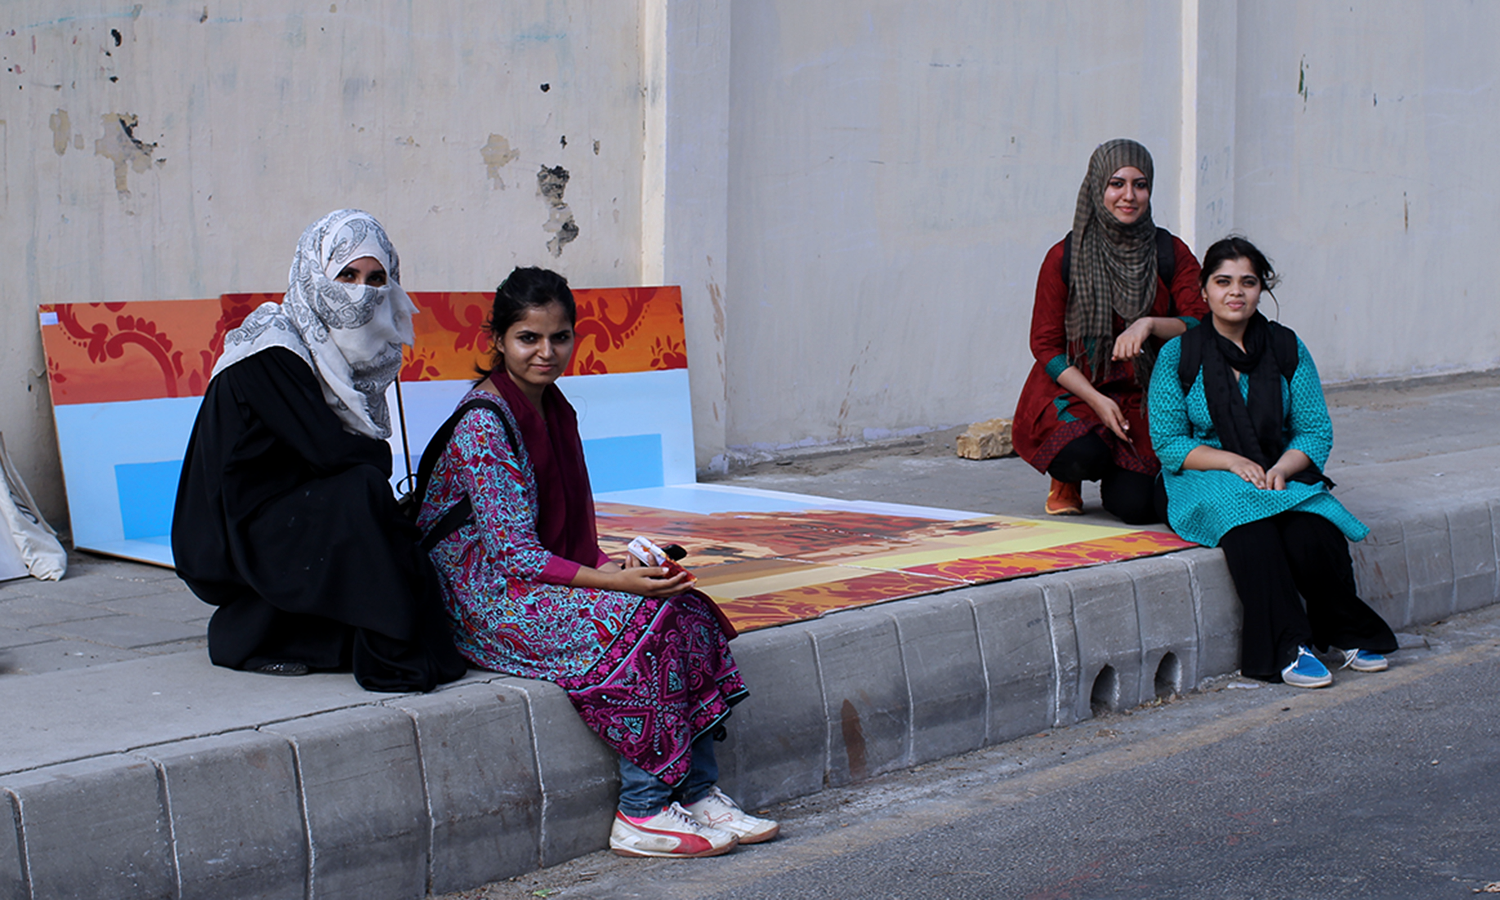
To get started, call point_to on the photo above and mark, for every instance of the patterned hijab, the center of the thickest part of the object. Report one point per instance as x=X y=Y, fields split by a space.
x=1113 y=266
x=351 y=335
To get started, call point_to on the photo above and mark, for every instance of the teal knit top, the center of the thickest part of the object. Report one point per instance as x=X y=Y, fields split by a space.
x=1202 y=506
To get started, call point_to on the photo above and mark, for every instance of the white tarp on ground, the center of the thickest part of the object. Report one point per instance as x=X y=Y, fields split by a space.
x=28 y=545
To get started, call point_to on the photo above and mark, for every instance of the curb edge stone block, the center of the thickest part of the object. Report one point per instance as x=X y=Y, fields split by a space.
x=94 y=829
x=578 y=773
x=1471 y=535
x=1015 y=645
x=236 y=816
x=866 y=705
x=1217 y=606
x=778 y=737
x=363 y=801
x=944 y=675
x=1109 y=634
x=480 y=773
x=1381 y=572
x=1429 y=560
x=1057 y=597
x=12 y=884
x=1168 y=620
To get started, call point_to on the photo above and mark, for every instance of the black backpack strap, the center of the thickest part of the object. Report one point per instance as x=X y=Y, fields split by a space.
x=1067 y=257
x=1166 y=256
x=1284 y=348
x=463 y=510
x=1190 y=346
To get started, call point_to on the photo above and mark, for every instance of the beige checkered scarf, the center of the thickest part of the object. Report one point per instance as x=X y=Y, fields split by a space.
x=1113 y=266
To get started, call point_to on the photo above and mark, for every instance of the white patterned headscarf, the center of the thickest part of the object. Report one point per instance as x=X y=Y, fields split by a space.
x=350 y=334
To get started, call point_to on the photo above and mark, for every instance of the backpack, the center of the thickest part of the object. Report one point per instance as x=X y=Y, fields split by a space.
x=462 y=511
x=1166 y=256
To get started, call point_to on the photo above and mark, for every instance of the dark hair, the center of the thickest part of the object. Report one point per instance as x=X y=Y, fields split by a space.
x=1237 y=247
x=524 y=289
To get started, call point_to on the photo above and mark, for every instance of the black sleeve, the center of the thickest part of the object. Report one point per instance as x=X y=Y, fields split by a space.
x=278 y=390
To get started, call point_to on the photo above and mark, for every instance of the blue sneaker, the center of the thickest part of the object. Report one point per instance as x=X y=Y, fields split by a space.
x=1363 y=661
x=1306 y=672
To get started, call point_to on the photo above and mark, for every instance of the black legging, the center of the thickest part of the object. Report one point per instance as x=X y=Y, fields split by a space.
x=1128 y=496
x=1272 y=561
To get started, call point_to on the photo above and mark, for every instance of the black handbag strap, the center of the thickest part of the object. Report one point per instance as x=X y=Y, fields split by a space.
x=462 y=511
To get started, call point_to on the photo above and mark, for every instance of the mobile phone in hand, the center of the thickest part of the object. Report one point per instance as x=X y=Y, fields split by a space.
x=651 y=555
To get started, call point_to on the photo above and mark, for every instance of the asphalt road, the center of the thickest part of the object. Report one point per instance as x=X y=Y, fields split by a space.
x=1383 y=786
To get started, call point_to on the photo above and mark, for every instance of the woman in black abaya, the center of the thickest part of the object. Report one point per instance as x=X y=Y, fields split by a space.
x=285 y=518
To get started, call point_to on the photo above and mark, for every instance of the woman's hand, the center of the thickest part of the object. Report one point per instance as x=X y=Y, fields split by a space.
x=1248 y=470
x=1133 y=339
x=1204 y=458
x=650 y=581
x=1109 y=413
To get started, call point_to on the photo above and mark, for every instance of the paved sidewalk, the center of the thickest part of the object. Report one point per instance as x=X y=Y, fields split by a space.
x=109 y=610
x=132 y=767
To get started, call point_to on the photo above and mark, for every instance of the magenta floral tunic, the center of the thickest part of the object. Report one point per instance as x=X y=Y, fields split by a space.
x=647 y=675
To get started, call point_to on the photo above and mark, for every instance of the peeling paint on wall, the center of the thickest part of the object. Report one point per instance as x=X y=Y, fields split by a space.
x=551 y=183
x=61 y=130
x=120 y=145
x=496 y=153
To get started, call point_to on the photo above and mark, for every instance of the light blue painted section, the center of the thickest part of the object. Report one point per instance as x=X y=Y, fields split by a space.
x=147 y=492
x=140 y=551
x=630 y=404
x=95 y=438
x=624 y=463
x=721 y=498
x=639 y=403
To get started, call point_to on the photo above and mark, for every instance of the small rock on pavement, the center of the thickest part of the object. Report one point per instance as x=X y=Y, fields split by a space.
x=986 y=440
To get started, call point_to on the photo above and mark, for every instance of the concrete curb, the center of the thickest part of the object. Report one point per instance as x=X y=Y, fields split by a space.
x=357 y=795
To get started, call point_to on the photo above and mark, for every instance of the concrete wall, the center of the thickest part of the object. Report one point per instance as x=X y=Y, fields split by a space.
x=854 y=196
x=898 y=171
x=1366 y=138
x=252 y=119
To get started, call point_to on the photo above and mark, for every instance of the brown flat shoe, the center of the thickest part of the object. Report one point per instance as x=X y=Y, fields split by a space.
x=1065 y=498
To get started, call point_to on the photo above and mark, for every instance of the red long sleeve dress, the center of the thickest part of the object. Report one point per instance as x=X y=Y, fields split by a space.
x=1048 y=417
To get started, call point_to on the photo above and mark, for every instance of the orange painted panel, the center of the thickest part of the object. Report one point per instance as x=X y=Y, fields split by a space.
x=146 y=349
x=619 y=330
x=141 y=350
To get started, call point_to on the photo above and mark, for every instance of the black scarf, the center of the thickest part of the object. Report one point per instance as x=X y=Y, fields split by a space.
x=1253 y=426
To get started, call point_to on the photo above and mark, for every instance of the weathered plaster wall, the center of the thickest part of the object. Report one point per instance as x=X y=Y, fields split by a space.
x=1365 y=162
x=897 y=171
x=248 y=120
x=854 y=196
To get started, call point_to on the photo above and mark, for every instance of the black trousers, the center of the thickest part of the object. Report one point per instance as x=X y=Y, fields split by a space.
x=1128 y=496
x=1274 y=560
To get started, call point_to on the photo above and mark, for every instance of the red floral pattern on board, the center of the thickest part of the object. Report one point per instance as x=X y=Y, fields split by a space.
x=142 y=350
x=113 y=334
x=619 y=330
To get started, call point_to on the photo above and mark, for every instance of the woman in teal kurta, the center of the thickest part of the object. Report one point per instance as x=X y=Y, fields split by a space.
x=1242 y=451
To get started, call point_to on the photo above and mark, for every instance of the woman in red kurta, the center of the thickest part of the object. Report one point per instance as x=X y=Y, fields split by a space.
x=1102 y=308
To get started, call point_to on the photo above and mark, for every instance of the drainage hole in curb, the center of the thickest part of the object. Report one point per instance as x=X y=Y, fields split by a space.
x=1105 y=698
x=1168 y=677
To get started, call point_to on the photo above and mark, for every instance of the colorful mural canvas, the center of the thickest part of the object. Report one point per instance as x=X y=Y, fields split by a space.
x=127 y=379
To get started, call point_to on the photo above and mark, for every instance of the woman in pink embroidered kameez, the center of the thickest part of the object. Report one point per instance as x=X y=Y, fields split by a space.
x=643 y=657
